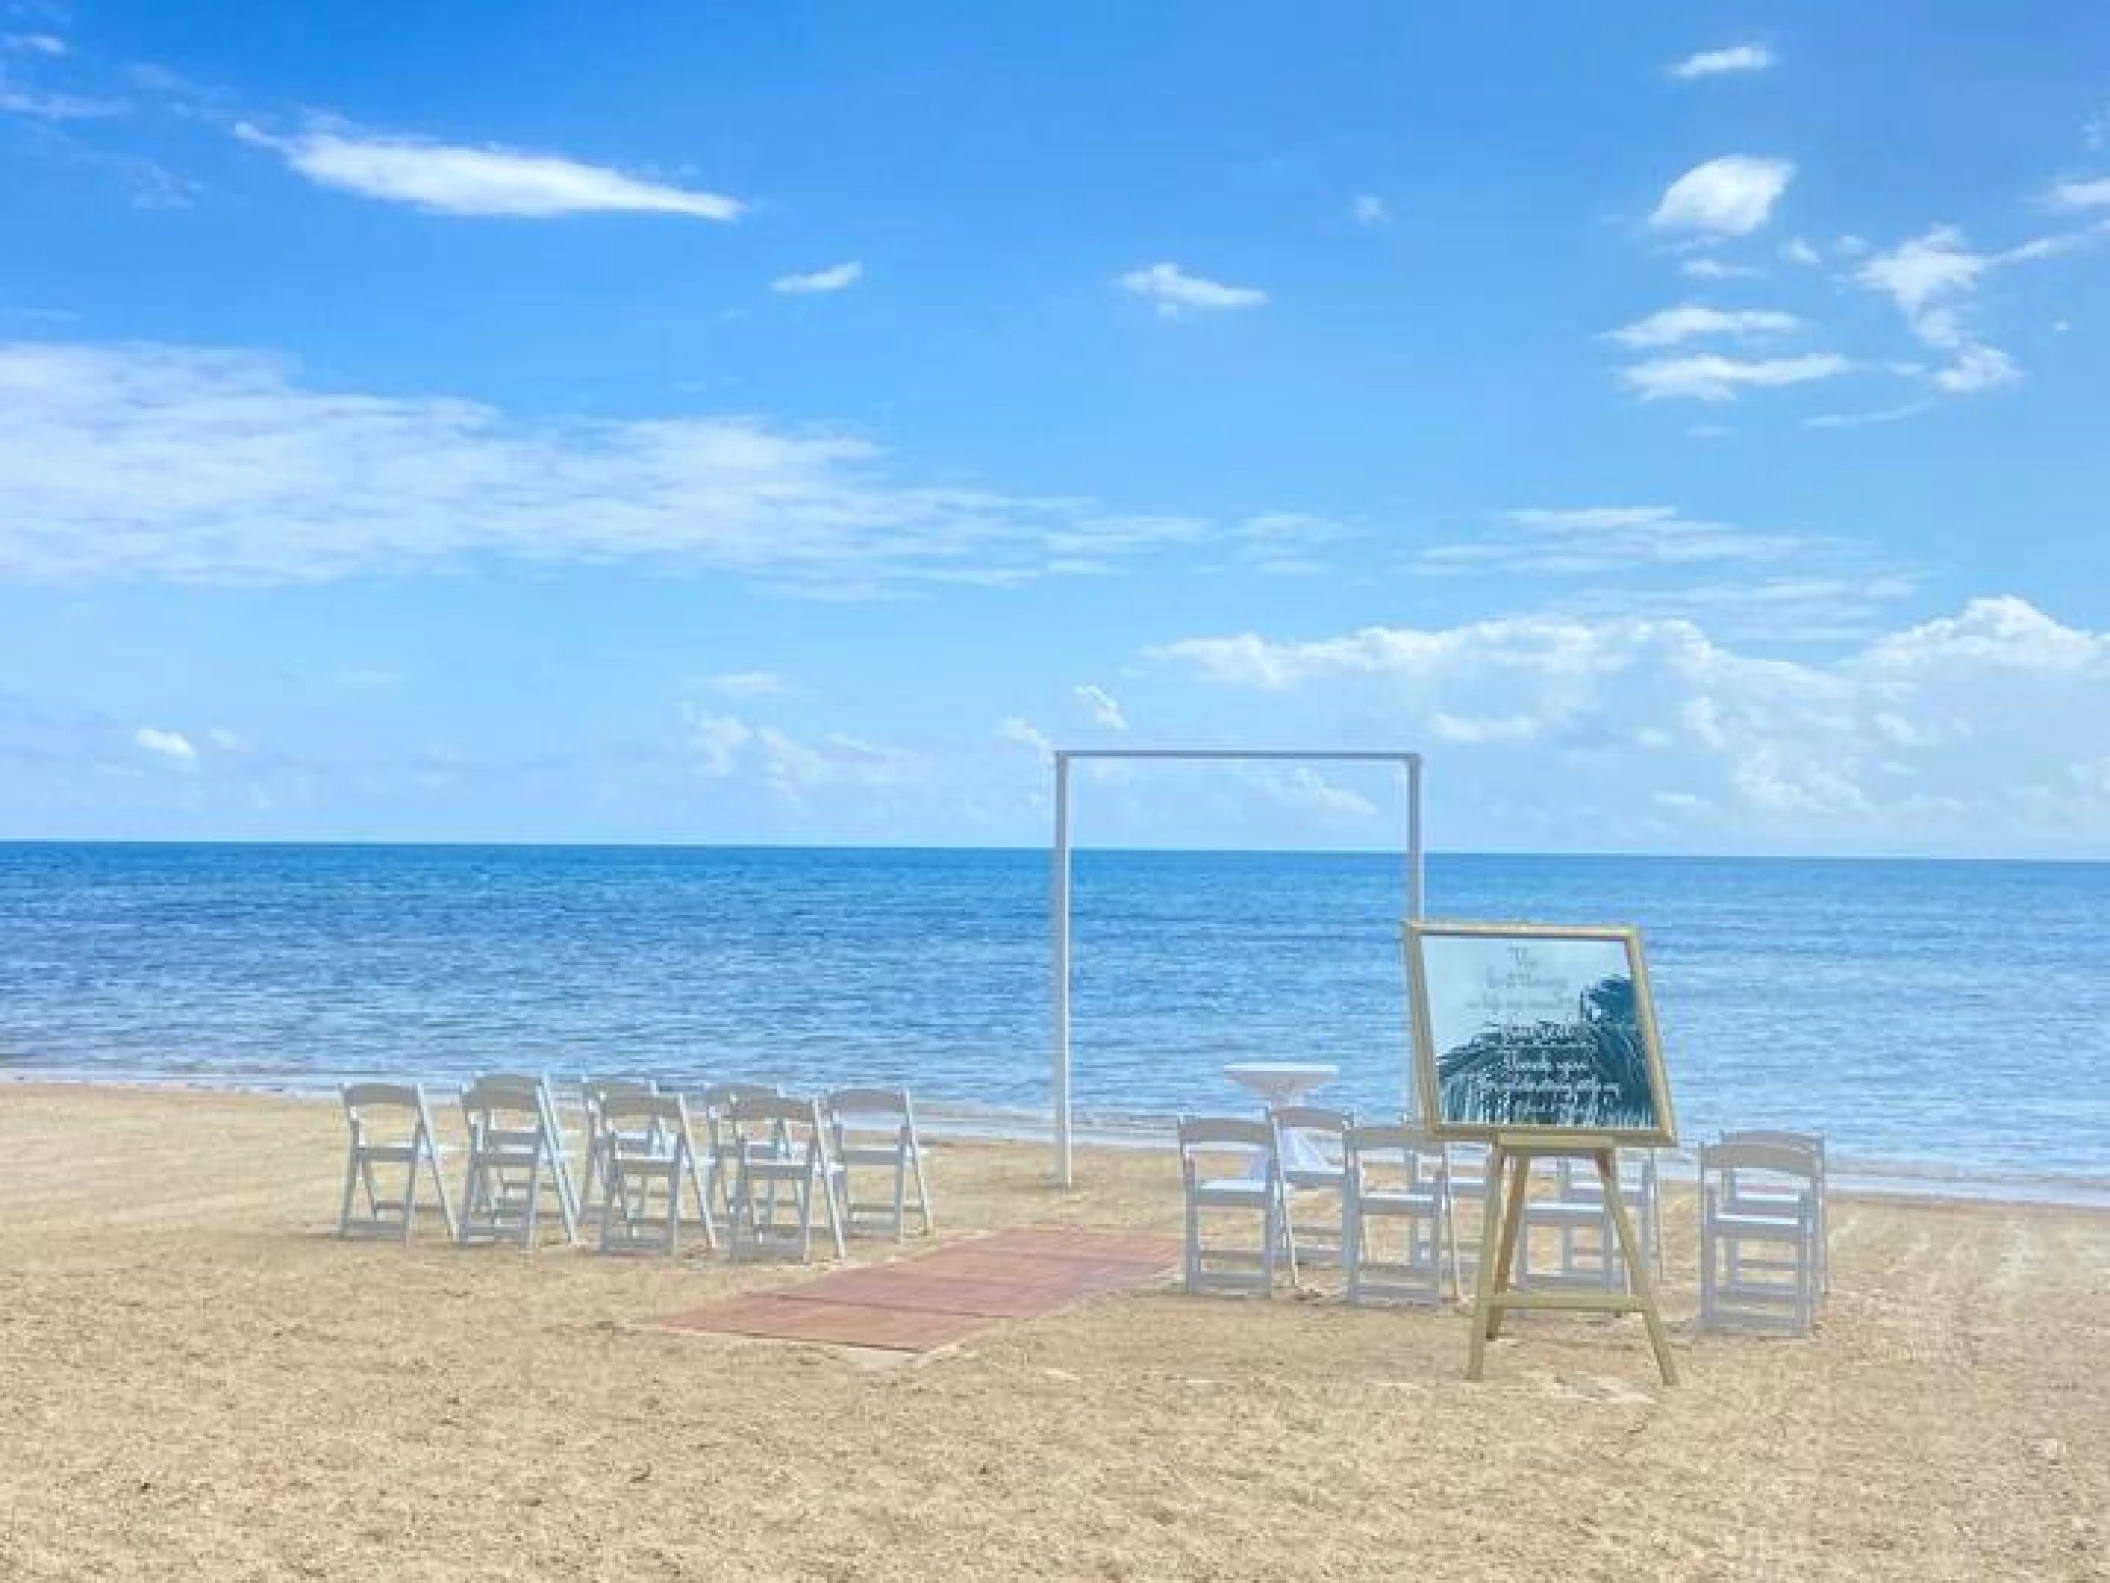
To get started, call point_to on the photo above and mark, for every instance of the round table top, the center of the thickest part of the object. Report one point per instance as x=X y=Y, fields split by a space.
x=1317 y=1071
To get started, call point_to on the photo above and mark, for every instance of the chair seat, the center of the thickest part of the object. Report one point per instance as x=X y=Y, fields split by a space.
x=1398 y=1203
x=1232 y=1191
x=1791 y=1224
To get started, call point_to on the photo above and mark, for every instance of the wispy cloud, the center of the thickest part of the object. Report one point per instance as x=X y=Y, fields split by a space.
x=1934 y=279
x=445 y=178
x=1704 y=268
x=1369 y=209
x=1175 y=293
x=1024 y=733
x=1797 y=250
x=191 y=464
x=1722 y=62
x=747 y=684
x=1573 y=540
x=167 y=744
x=837 y=277
x=1103 y=707
x=1861 y=420
x=44 y=105
x=2092 y=194
x=1730 y=196
x=48 y=44
x=1709 y=376
x=1691 y=321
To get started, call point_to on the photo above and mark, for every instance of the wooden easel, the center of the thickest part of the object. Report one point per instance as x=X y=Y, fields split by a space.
x=1493 y=1297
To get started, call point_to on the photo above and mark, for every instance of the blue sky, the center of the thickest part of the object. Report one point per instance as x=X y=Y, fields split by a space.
x=1686 y=424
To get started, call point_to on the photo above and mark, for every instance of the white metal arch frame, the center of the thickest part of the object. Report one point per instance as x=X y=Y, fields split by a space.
x=1065 y=1173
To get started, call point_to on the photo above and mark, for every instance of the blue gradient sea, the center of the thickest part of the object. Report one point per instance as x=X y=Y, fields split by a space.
x=1944 y=1018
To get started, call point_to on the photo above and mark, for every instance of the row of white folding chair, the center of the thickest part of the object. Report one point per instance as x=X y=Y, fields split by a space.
x=1763 y=1260
x=640 y=1140
x=1380 y=1173
x=1383 y=1175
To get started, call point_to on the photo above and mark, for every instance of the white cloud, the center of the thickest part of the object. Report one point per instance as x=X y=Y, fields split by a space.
x=1305 y=789
x=1690 y=321
x=198 y=465
x=747 y=684
x=727 y=746
x=2003 y=632
x=2093 y=194
x=1477 y=730
x=41 y=105
x=1714 y=269
x=1797 y=251
x=36 y=44
x=1718 y=62
x=1175 y=293
x=1103 y=707
x=1730 y=196
x=169 y=744
x=1933 y=279
x=444 y=178
x=1369 y=209
x=1708 y=376
x=1862 y=420
x=837 y=277
x=1025 y=734
x=1956 y=733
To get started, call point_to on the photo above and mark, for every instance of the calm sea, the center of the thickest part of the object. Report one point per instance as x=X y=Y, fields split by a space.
x=1954 y=1015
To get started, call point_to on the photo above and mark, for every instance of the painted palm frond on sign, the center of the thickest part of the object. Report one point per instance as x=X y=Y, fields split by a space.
x=1534 y=1027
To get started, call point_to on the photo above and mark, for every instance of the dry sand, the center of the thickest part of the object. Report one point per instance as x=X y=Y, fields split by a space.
x=196 y=1380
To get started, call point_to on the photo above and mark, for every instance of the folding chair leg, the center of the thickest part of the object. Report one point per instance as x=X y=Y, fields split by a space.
x=922 y=1190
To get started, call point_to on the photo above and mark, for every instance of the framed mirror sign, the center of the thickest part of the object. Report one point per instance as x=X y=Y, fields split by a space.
x=1526 y=1028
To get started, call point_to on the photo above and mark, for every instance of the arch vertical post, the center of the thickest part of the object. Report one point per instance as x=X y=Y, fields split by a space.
x=1060 y=902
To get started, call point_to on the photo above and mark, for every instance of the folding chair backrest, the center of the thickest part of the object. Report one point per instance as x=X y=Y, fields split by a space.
x=391 y=1128
x=875 y=1129
x=1395 y=1143
x=1204 y=1139
x=504 y=1095
x=636 y=1108
x=1741 y=1154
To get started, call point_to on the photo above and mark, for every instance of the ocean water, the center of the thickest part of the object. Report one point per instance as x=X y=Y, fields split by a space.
x=1951 y=1015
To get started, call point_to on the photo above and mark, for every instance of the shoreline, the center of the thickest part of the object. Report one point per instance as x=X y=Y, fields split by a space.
x=1922 y=1181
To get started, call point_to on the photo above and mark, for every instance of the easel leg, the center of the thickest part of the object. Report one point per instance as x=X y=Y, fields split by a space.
x=1484 y=1277
x=1636 y=1265
x=1512 y=1226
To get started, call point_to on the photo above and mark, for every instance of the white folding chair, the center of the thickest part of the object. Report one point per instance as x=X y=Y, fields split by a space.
x=1311 y=1147
x=1585 y=1235
x=714 y=1107
x=1759 y=1236
x=1228 y=1164
x=648 y=1160
x=875 y=1129
x=391 y=1126
x=1396 y=1172
x=594 y=1092
x=561 y=1179
x=1813 y=1144
x=515 y=1154
x=780 y=1147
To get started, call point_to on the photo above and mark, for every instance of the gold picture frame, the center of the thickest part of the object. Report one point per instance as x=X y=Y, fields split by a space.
x=1571 y=1095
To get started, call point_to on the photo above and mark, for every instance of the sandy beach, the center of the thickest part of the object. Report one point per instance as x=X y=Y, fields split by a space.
x=196 y=1379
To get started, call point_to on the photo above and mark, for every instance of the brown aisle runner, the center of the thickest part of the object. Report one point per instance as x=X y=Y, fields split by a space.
x=935 y=1299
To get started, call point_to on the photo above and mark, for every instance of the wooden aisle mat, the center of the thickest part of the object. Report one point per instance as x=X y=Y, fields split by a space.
x=935 y=1299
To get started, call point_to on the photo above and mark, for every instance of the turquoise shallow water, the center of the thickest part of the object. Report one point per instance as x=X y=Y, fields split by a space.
x=1956 y=1015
